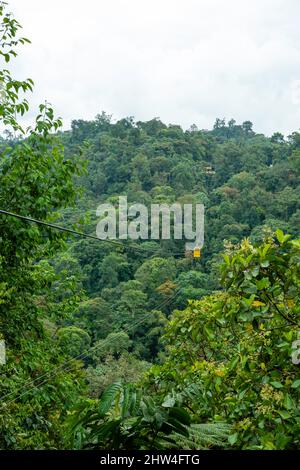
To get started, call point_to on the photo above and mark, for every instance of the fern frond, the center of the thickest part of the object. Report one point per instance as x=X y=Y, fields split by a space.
x=202 y=436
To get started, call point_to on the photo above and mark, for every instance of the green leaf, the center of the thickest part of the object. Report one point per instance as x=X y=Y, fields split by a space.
x=276 y=384
x=180 y=415
x=233 y=363
x=296 y=384
x=280 y=235
x=288 y=402
x=108 y=397
x=226 y=259
x=284 y=414
x=168 y=402
x=265 y=264
x=233 y=438
x=209 y=333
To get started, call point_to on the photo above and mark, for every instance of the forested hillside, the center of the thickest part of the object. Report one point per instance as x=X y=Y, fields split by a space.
x=136 y=344
x=248 y=183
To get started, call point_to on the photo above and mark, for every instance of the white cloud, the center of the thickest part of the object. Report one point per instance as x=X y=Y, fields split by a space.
x=186 y=61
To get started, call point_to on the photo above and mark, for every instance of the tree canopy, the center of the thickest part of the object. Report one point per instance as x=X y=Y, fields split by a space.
x=136 y=344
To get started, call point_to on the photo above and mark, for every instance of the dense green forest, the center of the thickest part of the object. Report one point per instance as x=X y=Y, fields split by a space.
x=136 y=344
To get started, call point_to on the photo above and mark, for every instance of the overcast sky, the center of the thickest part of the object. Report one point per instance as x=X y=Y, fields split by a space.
x=185 y=61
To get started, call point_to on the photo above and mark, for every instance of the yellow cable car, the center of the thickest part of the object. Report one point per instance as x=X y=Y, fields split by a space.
x=197 y=252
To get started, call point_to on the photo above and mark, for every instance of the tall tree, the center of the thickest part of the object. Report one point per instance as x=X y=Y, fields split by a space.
x=36 y=180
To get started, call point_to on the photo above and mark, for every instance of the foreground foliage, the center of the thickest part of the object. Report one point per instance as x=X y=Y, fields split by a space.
x=230 y=354
x=126 y=418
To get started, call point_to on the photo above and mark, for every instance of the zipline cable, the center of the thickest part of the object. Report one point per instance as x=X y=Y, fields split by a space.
x=56 y=370
x=81 y=234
